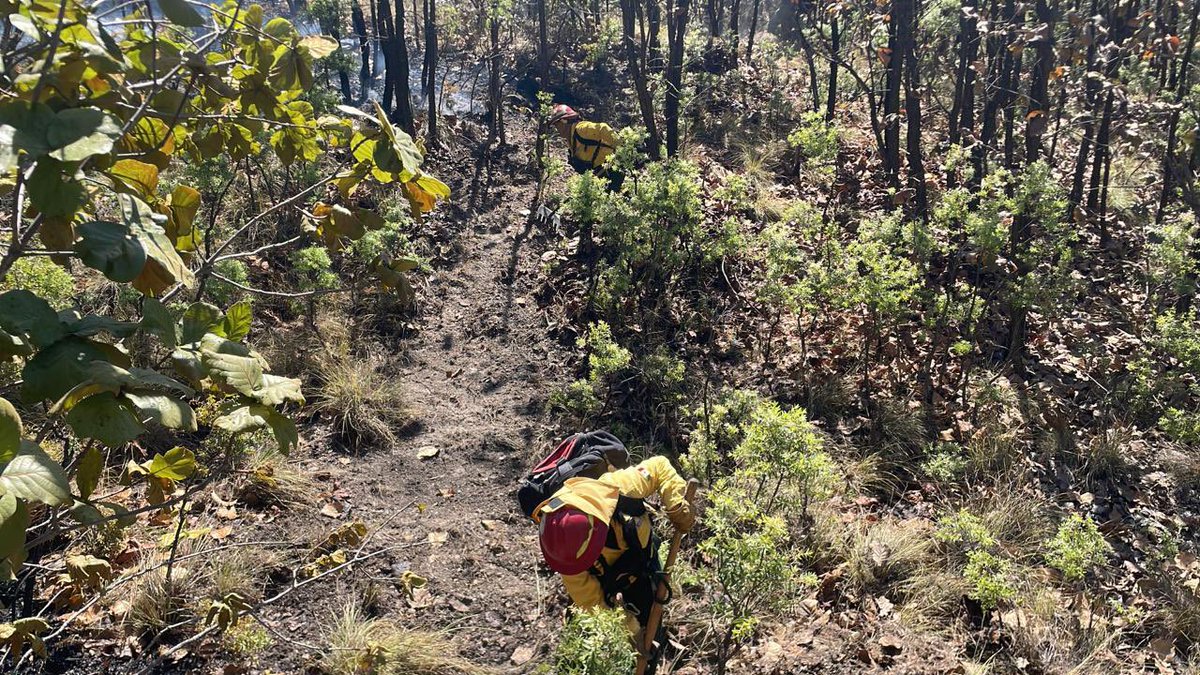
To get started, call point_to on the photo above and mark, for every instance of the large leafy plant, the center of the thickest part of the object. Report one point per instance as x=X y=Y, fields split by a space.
x=93 y=110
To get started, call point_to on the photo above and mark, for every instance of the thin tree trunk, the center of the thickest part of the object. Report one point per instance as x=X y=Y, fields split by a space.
x=810 y=59
x=677 y=19
x=891 y=97
x=638 y=75
x=999 y=99
x=964 y=89
x=431 y=61
x=1181 y=85
x=543 y=46
x=735 y=10
x=404 y=112
x=384 y=29
x=495 y=59
x=654 y=60
x=364 y=48
x=907 y=19
x=753 y=30
x=835 y=45
x=1038 y=112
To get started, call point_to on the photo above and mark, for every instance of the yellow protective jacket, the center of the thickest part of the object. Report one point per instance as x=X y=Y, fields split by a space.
x=591 y=144
x=598 y=498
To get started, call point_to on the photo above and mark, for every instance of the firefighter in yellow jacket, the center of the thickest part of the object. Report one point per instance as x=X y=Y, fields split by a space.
x=596 y=533
x=589 y=144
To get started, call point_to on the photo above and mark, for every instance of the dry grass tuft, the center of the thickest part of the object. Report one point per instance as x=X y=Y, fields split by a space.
x=155 y=603
x=358 y=644
x=933 y=598
x=271 y=479
x=885 y=553
x=366 y=404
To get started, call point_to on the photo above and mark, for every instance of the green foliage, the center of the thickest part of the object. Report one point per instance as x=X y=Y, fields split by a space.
x=224 y=293
x=1181 y=425
x=945 y=463
x=779 y=468
x=720 y=427
x=990 y=578
x=1177 y=336
x=1077 y=547
x=595 y=642
x=816 y=140
x=1170 y=259
x=605 y=357
x=314 y=269
x=964 y=529
x=43 y=278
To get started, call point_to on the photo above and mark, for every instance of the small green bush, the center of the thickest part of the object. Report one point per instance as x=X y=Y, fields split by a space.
x=1177 y=336
x=720 y=427
x=1077 y=548
x=989 y=577
x=1181 y=425
x=314 y=268
x=945 y=463
x=815 y=139
x=43 y=278
x=605 y=356
x=966 y=529
x=595 y=642
x=225 y=294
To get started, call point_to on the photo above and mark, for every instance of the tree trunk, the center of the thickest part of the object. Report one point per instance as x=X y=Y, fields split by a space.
x=835 y=45
x=633 y=57
x=384 y=29
x=906 y=13
x=1038 y=113
x=753 y=30
x=404 y=112
x=962 y=110
x=1181 y=85
x=495 y=60
x=364 y=48
x=677 y=19
x=654 y=60
x=891 y=96
x=543 y=45
x=999 y=99
x=735 y=10
x=431 y=62
x=811 y=60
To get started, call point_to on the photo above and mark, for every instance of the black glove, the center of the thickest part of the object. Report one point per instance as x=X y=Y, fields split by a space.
x=611 y=447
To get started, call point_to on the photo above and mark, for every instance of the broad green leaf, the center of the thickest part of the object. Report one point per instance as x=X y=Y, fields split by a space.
x=10 y=431
x=80 y=392
x=184 y=202
x=53 y=371
x=276 y=390
x=23 y=313
x=198 y=319
x=33 y=476
x=181 y=13
x=78 y=133
x=87 y=473
x=14 y=521
x=140 y=177
x=163 y=266
x=292 y=70
x=280 y=28
x=94 y=324
x=167 y=411
x=177 y=464
x=243 y=374
x=157 y=320
x=243 y=418
x=85 y=514
x=12 y=345
x=29 y=123
x=319 y=46
x=238 y=319
x=105 y=418
x=54 y=191
x=111 y=249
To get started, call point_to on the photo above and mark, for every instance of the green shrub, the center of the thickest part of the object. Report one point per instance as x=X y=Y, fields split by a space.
x=966 y=529
x=577 y=400
x=1181 y=425
x=314 y=268
x=1177 y=336
x=720 y=427
x=224 y=294
x=990 y=579
x=945 y=463
x=1170 y=259
x=815 y=139
x=595 y=642
x=1077 y=548
x=605 y=357
x=755 y=513
x=43 y=278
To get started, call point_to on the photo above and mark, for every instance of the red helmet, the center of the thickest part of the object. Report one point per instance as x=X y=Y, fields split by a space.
x=562 y=113
x=571 y=540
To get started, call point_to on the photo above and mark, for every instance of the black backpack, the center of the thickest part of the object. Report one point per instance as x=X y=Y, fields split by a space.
x=573 y=456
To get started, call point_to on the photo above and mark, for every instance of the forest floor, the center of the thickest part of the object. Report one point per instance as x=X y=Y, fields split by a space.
x=476 y=373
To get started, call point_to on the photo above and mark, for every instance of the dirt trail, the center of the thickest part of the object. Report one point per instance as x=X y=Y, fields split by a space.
x=477 y=375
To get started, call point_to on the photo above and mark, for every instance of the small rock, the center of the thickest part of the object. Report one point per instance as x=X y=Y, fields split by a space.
x=428 y=452
x=490 y=524
x=521 y=655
